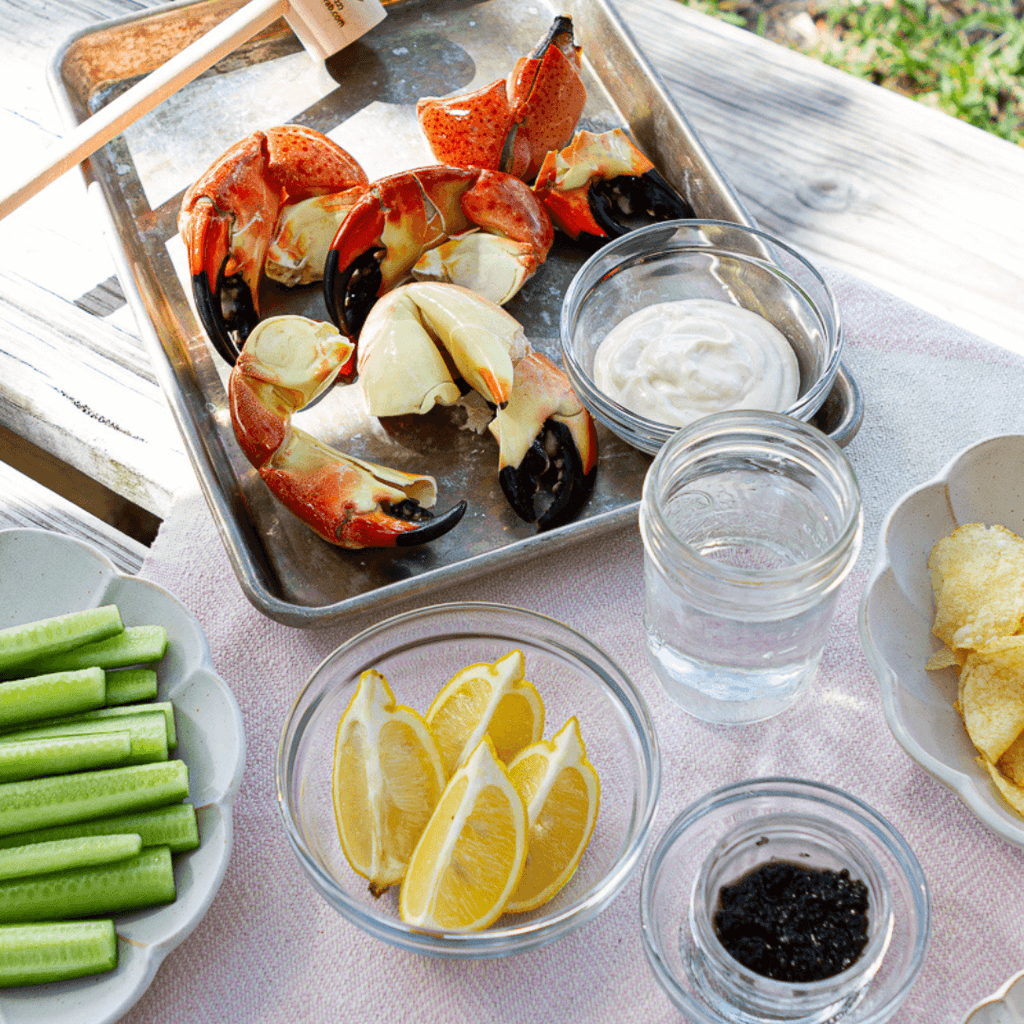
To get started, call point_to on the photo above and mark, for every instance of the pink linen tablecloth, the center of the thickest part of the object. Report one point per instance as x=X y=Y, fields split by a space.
x=270 y=950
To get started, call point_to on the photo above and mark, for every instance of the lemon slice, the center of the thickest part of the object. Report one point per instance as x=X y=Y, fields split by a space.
x=562 y=794
x=471 y=855
x=388 y=777
x=487 y=700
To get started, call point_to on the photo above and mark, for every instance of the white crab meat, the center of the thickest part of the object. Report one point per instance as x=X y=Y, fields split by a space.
x=422 y=337
x=487 y=264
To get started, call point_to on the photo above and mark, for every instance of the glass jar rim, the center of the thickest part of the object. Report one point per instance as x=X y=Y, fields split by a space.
x=906 y=879
x=833 y=835
x=825 y=570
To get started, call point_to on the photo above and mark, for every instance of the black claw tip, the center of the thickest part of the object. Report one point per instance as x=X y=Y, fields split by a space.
x=560 y=35
x=350 y=293
x=570 y=487
x=622 y=204
x=433 y=526
x=227 y=313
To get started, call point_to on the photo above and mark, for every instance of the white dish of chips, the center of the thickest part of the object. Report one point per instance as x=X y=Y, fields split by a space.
x=983 y=484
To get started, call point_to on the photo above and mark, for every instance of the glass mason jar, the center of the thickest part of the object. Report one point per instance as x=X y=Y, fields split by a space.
x=750 y=523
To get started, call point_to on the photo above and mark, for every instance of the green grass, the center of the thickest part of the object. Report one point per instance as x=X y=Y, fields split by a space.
x=965 y=57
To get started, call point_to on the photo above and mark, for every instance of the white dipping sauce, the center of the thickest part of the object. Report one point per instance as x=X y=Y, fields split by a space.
x=677 y=361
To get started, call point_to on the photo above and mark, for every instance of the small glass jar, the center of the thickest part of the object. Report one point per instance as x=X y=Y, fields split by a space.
x=810 y=841
x=750 y=522
x=740 y=827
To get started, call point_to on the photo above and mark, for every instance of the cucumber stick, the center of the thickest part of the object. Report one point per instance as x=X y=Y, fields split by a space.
x=22 y=645
x=121 y=711
x=57 y=693
x=145 y=880
x=31 y=954
x=173 y=826
x=62 y=854
x=62 y=799
x=148 y=734
x=137 y=645
x=29 y=759
x=128 y=685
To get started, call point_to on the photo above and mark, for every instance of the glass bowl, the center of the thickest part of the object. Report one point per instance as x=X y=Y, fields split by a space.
x=698 y=259
x=418 y=652
x=735 y=829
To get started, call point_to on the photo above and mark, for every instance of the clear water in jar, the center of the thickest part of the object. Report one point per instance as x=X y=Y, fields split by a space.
x=752 y=662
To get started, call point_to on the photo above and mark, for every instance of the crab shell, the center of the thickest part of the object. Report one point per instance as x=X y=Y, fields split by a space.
x=406 y=215
x=511 y=124
x=284 y=365
x=228 y=219
x=599 y=182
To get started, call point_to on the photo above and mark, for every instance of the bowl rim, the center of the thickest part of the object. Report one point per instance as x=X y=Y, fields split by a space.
x=963 y=785
x=647 y=434
x=493 y=941
x=804 y=789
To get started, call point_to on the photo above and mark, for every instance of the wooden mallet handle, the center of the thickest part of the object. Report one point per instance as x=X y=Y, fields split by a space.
x=318 y=24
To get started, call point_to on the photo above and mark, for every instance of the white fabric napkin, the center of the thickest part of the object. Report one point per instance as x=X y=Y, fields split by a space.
x=270 y=950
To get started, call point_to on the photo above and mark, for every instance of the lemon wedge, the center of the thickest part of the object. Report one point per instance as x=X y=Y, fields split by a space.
x=388 y=778
x=486 y=700
x=470 y=857
x=562 y=794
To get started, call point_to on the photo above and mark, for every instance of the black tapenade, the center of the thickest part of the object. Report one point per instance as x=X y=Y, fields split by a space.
x=792 y=923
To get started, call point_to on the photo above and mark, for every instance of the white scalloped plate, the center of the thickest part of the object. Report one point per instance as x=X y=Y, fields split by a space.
x=43 y=574
x=1003 y=1007
x=983 y=483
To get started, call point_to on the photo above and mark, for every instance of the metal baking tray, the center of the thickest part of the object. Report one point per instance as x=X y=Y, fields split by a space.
x=364 y=98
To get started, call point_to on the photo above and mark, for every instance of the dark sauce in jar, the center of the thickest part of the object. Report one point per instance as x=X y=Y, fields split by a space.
x=792 y=923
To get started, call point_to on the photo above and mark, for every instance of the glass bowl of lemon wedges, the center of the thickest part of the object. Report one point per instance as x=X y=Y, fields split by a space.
x=468 y=780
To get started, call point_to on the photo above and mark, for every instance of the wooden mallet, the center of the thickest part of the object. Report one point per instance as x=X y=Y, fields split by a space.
x=323 y=26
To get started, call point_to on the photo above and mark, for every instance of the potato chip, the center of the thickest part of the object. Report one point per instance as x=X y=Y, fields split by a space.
x=1012 y=794
x=992 y=696
x=944 y=658
x=1011 y=764
x=978 y=580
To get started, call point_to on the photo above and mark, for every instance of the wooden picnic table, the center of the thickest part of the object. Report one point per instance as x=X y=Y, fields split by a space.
x=908 y=198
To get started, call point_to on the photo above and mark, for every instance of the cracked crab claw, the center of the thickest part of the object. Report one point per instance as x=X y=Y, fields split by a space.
x=512 y=123
x=421 y=339
x=229 y=215
x=287 y=362
x=547 y=443
x=602 y=186
x=404 y=216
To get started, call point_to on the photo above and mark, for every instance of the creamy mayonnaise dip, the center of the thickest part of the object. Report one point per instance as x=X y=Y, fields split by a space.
x=674 y=362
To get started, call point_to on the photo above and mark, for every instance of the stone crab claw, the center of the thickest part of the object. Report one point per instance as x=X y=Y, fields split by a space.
x=422 y=338
x=402 y=218
x=547 y=441
x=285 y=363
x=228 y=220
x=602 y=186
x=512 y=123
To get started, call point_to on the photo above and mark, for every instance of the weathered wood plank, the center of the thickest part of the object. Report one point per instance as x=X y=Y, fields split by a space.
x=918 y=202
x=82 y=390
x=23 y=502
